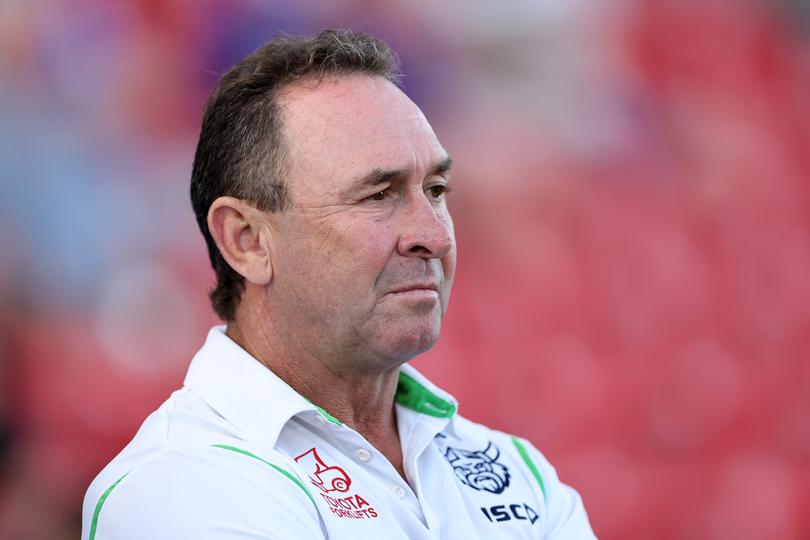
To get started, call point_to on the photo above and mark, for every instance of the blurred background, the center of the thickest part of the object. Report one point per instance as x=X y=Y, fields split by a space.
x=632 y=207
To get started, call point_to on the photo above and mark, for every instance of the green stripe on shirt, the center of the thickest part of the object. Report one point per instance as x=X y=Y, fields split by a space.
x=289 y=475
x=99 y=504
x=103 y=498
x=524 y=453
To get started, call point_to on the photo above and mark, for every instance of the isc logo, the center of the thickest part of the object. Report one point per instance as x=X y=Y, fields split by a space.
x=502 y=512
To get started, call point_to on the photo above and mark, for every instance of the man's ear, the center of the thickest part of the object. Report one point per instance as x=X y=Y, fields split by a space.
x=243 y=238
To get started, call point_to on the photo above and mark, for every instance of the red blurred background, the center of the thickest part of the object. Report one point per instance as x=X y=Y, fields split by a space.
x=632 y=207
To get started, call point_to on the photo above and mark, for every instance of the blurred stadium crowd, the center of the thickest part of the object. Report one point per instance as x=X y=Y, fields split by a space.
x=632 y=207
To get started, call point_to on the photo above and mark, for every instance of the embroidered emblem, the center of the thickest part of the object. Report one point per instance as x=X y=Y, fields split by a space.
x=479 y=469
x=335 y=480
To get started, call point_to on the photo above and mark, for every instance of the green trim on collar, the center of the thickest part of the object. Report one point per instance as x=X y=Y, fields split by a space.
x=412 y=394
x=327 y=415
x=524 y=453
x=99 y=504
x=288 y=474
x=324 y=413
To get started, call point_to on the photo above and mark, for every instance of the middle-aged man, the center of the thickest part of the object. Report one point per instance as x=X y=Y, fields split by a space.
x=320 y=190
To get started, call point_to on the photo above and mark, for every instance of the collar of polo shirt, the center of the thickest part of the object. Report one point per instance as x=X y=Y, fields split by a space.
x=255 y=400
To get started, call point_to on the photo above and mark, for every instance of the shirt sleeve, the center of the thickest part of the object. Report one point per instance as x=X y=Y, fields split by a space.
x=210 y=493
x=566 y=516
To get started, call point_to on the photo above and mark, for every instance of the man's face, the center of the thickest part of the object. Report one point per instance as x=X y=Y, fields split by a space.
x=364 y=259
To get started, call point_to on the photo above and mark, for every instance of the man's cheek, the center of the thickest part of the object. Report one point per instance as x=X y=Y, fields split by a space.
x=449 y=267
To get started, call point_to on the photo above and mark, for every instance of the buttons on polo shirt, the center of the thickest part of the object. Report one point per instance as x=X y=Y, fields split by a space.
x=363 y=454
x=321 y=419
x=399 y=491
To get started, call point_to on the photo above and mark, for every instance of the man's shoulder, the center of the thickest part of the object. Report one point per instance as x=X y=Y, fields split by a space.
x=184 y=429
x=154 y=488
x=183 y=459
x=520 y=447
x=475 y=432
x=222 y=460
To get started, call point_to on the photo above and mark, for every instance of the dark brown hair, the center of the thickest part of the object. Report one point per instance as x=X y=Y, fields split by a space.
x=241 y=148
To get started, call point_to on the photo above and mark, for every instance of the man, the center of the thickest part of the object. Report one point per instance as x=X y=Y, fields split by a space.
x=320 y=190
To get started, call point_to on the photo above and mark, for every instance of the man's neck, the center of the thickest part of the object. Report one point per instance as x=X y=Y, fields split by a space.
x=362 y=401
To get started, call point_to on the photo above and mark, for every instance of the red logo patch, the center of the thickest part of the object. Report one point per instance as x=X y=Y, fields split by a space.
x=330 y=479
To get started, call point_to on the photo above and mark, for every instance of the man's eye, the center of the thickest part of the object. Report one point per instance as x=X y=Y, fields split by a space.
x=380 y=195
x=438 y=190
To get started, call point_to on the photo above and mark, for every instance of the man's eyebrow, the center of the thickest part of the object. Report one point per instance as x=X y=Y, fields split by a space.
x=383 y=176
x=378 y=176
x=442 y=167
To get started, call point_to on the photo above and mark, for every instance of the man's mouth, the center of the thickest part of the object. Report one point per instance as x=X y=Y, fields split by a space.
x=418 y=288
x=426 y=291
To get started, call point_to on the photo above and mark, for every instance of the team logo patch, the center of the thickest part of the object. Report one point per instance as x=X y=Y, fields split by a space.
x=479 y=469
x=334 y=480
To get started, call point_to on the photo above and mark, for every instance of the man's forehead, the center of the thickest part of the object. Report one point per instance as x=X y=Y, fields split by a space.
x=360 y=107
x=356 y=121
x=352 y=92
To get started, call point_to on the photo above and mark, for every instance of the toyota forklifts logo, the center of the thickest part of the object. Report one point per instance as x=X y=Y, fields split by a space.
x=331 y=479
x=325 y=477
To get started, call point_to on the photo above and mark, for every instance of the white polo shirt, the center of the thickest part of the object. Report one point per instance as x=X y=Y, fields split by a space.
x=238 y=454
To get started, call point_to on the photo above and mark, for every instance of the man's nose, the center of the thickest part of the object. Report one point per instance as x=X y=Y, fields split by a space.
x=427 y=230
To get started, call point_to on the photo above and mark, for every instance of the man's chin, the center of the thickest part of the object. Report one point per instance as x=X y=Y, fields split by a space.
x=412 y=342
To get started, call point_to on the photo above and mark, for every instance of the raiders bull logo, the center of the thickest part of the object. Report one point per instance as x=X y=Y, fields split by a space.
x=479 y=469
